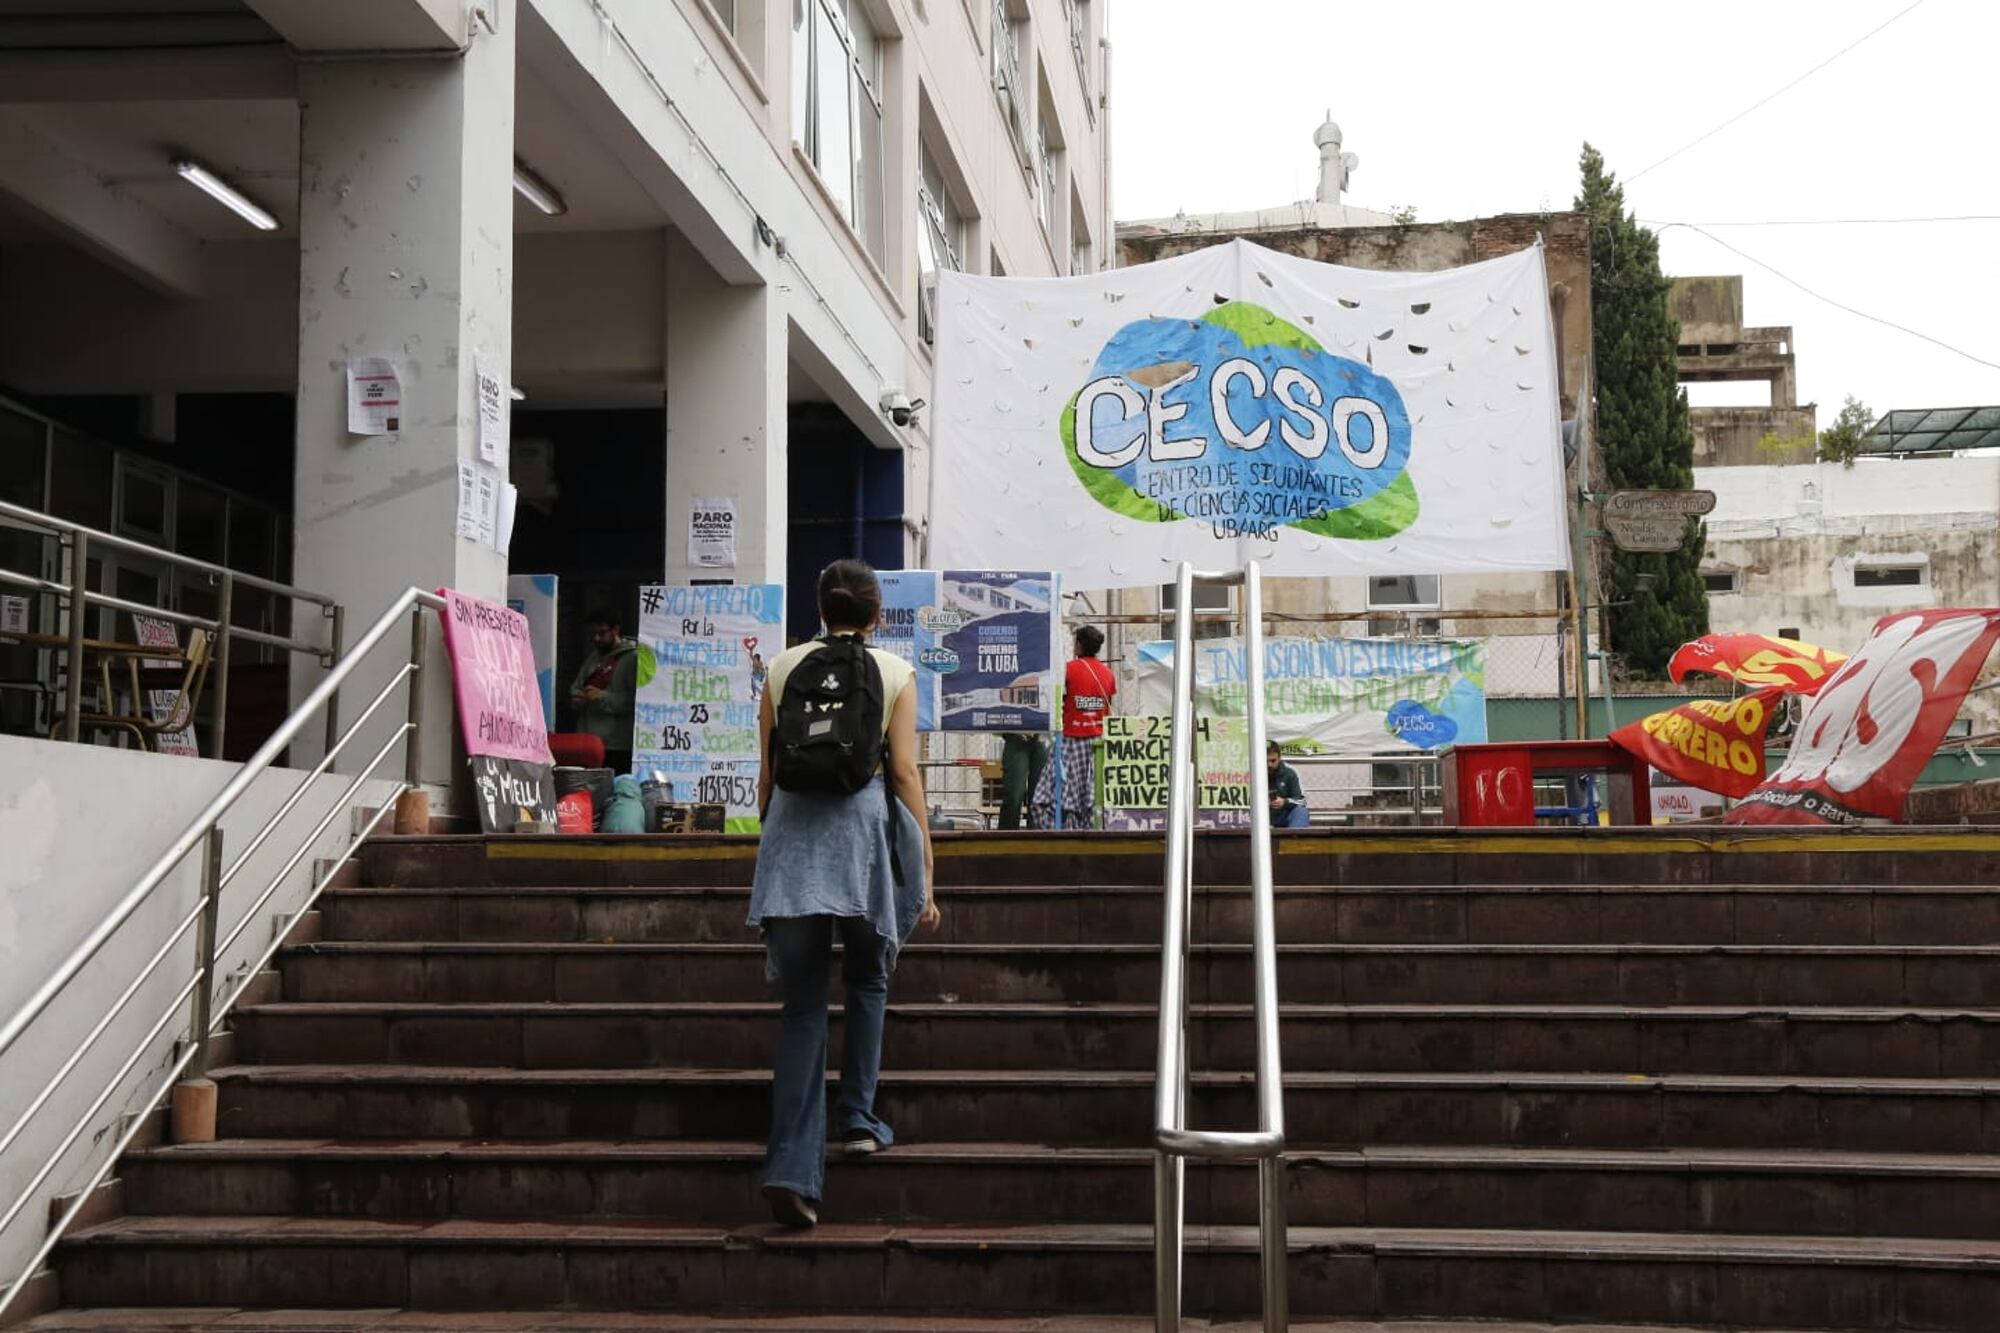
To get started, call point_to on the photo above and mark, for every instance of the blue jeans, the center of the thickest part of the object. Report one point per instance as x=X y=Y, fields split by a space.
x=802 y=949
x=1296 y=817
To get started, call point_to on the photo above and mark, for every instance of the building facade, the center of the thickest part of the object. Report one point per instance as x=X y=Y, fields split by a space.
x=1820 y=552
x=696 y=238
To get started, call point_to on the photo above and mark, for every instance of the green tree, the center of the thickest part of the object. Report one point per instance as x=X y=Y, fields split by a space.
x=1841 y=442
x=1642 y=430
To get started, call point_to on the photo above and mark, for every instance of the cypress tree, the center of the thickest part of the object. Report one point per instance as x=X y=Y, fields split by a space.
x=1642 y=430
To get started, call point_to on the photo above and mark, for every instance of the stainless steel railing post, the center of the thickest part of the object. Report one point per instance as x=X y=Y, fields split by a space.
x=79 y=587
x=1173 y=1141
x=225 y=613
x=337 y=623
x=413 y=743
x=204 y=947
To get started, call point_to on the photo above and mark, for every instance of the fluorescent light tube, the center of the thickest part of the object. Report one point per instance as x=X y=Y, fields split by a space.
x=220 y=190
x=538 y=192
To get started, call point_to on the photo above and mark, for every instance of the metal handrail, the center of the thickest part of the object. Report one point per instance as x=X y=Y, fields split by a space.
x=1173 y=1141
x=205 y=830
x=79 y=597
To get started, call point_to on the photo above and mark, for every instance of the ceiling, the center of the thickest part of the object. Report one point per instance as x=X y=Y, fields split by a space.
x=128 y=137
x=102 y=25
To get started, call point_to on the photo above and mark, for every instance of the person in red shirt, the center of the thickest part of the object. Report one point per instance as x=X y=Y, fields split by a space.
x=1088 y=688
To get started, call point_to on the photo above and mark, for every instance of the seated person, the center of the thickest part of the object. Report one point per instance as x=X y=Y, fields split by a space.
x=1288 y=798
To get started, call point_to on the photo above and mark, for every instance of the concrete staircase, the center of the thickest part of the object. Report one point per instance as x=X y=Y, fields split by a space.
x=1714 y=1081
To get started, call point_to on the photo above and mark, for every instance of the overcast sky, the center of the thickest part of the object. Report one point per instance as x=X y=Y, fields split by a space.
x=1462 y=108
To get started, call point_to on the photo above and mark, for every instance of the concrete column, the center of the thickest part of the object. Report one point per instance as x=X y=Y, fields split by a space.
x=726 y=436
x=406 y=252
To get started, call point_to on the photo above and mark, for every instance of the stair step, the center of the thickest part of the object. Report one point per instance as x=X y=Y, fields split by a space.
x=1551 y=1275
x=1921 y=976
x=1952 y=1043
x=1124 y=913
x=1098 y=1107
x=690 y=1181
x=228 y=1319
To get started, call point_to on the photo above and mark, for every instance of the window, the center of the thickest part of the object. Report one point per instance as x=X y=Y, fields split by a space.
x=1045 y=174
x=941 y=238
x=1079 y=238
x=1719 y=581
x=1008 y=84
x=1208 y=597
x=1399 y=591
x=837 y=110
x=726 y=11
x=1079 y=45
x=1888 y=576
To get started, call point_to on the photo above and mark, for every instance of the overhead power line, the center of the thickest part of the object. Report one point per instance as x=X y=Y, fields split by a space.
x=1774 y=96
x=1826 y=222
x=1838 y=305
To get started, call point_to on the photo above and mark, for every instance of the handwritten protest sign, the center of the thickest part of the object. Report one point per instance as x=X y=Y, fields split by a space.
x=1134 y=768
x=703 y=651
x=499 y=710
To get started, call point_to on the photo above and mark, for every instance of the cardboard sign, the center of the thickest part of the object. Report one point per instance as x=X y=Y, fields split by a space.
x=493 y=676
x=1867 y=735
x=1135 y=765
x=509 y=792
x=1714 y=744
x=703 y=652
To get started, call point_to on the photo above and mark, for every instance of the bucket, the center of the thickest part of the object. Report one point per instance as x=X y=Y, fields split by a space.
x=576 y=807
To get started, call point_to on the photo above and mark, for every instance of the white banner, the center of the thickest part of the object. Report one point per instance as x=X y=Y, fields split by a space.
x=1238 y=403
x=1345 y=697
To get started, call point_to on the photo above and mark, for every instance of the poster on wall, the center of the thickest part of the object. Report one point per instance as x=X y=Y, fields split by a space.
x=1348 y=698
x=534 y=596
x=1134 y=766
x=712 y=533
x=1237 y=403
x=984 y=643
x=500 y=713
x=695 y=715
x=1865 y=737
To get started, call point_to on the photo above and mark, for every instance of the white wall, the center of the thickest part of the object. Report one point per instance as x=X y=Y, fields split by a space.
x=80 y=824
x=1793 y=535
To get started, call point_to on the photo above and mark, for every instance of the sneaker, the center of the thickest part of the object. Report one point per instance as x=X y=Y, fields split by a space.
x=790 y=1208
x=859 y=1143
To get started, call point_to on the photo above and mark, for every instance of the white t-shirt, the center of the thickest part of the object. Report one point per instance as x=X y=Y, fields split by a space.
x=896 y=676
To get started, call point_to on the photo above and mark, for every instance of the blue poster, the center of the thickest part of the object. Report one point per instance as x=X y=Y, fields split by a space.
x=534 y=596
x=984 y=643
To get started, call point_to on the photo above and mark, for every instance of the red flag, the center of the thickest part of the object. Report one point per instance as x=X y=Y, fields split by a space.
x=1758 y=659
x=1869 y=733
x=1714 y=744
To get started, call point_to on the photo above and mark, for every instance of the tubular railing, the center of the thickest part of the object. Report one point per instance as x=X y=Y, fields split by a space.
x=1173 y=1141
x=78 y=597
x=205 y=1007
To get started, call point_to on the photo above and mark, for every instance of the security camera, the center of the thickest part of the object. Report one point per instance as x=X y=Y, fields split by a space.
x=901 y=408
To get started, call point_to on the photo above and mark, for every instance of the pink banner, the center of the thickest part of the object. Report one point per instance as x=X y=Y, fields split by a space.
x=493 y=675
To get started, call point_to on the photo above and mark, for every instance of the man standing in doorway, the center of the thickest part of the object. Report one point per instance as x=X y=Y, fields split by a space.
x=604 y=686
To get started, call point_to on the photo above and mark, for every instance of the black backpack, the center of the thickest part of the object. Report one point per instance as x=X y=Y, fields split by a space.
x=829 y=735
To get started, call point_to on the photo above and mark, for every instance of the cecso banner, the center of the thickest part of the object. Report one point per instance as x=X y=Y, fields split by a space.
x=1238 y=403
x=1343 y=697
x=1866 y=736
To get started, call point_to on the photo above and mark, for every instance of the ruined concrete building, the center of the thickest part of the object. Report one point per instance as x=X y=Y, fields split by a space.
x=1717 y=347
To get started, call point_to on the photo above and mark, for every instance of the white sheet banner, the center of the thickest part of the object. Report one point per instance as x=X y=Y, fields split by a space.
x=1238 y=403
